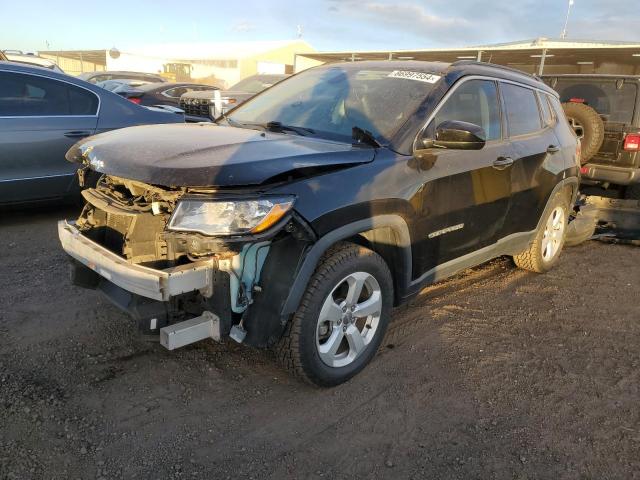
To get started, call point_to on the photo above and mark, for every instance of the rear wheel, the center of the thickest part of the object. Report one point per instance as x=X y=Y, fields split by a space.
x=587 y=125
x=544 y=251
x=342 y=318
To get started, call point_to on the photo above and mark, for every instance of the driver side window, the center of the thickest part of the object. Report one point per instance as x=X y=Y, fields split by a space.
x=475 y=101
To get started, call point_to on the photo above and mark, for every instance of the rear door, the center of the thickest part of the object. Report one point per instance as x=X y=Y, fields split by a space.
x=537 y=156
x=40 y=119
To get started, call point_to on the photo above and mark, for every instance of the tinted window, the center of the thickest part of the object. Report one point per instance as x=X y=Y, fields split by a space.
x=522 y=109
x=256 y=84
x=475 y=101
x=27 y=95
x=546 y=109
x=177 y=92
x=100 y=78
x=614 y=100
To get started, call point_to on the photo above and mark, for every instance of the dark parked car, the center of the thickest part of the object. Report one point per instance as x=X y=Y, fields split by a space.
x=201 y=106
x=301 y=218
x=42 y=114
x=157 y=93
x=605 y=112
x=96 y=77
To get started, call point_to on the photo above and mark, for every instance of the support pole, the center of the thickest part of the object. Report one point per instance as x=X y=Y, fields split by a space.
x=542 y=59
x=479 y=58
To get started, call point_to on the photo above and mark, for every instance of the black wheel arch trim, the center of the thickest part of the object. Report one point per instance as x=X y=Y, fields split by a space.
x=395 y=222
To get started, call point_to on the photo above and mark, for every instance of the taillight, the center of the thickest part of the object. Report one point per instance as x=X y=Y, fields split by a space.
x=576 y=100
x=135 y=100
x=632 y=142
x=584 y=170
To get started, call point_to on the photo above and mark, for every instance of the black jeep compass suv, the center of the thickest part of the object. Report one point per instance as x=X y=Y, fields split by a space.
x=300 y=218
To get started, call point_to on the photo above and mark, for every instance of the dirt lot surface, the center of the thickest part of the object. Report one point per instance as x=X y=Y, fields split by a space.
x=496 y=373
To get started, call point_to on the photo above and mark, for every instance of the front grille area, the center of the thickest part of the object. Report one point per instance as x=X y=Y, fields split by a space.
x=198 y=107
x=138 y=237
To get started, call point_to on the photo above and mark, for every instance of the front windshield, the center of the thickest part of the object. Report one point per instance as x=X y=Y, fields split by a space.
x=330 y=101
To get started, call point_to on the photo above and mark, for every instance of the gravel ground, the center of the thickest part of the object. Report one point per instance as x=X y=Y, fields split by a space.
x=495 y=373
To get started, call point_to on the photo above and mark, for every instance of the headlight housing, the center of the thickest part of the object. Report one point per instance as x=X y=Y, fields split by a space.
x=228 y=217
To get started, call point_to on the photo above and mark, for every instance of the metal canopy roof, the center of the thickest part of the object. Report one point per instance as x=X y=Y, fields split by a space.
x=98 y=57
x=531 y=55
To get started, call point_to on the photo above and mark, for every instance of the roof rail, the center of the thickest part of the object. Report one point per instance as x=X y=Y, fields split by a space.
x=495 y=65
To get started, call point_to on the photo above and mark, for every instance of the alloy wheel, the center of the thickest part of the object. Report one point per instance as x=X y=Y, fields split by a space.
x=348 y=319
x=553 y=234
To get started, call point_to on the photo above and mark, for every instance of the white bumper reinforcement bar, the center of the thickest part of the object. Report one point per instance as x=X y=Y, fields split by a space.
x=144 y=281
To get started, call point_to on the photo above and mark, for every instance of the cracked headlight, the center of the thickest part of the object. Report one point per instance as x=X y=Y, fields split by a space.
x=229 y=217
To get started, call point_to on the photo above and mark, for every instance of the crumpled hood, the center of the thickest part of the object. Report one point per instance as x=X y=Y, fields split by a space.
x=199 y=155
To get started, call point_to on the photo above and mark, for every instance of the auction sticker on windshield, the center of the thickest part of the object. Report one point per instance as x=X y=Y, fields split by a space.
x=418 y=76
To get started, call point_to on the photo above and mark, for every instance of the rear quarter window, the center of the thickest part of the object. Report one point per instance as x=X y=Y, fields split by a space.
x=547 y=115
x=523 y=115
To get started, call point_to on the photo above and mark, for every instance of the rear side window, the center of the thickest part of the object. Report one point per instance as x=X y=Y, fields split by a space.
x=29 y=95
x=523 y=115
x=475 y=101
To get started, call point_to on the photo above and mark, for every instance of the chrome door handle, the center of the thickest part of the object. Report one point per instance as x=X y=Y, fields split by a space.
x=553 y=149
x=501 y=163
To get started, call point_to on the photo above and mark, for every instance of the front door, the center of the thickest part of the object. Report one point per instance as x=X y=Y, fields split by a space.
x=478 y=181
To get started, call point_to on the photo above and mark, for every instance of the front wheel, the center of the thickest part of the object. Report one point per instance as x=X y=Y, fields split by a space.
x=544 y=251
x=342 y=318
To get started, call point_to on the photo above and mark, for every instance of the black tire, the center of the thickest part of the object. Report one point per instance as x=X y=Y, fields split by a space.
x=298 y=351
x=533 y=258
x=588 y=126
x=632 y=192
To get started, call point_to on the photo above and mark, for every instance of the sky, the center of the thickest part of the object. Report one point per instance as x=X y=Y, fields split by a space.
x=328 y=25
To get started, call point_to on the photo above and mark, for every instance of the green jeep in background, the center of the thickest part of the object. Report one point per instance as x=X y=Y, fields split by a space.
x=603 y=110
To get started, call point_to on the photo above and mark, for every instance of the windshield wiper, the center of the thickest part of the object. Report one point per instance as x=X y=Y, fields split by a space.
x=364 y=136
x=279 y=127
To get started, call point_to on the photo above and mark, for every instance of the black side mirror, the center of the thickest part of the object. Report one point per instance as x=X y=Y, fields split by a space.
x=455 y=135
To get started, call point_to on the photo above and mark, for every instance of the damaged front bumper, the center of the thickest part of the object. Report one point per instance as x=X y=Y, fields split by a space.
x=148 y=282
